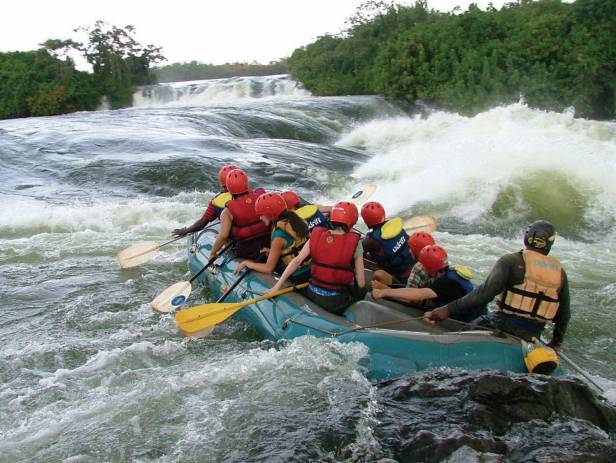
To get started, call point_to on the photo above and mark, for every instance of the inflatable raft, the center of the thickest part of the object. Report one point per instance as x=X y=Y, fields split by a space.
x=399 y=341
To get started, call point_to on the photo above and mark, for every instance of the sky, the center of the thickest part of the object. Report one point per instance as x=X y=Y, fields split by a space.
x=210 y=31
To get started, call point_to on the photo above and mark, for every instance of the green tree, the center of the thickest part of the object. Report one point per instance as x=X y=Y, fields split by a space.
x=118 y=60
x=554 y=54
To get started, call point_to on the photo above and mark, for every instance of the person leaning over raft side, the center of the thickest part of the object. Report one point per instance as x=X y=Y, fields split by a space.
x=448 y=284
x=418 y=278
x=289 y=233
x=313 y=214
x=386 y=244
x=337 y=271
x=533 y=290
x=214 y=209
x=239 y=221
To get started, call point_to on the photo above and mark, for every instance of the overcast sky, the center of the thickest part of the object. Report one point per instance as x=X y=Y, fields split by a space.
x=212 y=31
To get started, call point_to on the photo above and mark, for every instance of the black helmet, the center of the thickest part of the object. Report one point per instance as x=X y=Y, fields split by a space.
x=540 y=236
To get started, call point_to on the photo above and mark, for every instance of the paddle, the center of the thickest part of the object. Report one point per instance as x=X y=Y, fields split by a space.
x=581 y=371
x=176 y=294
x=424 y=223
x=140 y=253
x=577 y=368
x=361 y=196
x=206 y=331
x=194 y=320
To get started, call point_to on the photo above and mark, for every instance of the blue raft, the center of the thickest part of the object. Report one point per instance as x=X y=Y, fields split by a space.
x=399 y=342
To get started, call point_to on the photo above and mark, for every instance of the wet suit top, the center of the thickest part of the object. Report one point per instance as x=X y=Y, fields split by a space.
x=508 y=271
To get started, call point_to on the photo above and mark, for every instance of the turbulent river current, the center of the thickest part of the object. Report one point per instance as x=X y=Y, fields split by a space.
x=89 y=373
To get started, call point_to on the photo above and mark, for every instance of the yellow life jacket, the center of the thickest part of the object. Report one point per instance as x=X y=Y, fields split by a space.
x=288 y=253
x=221 y=199
x=307 y=211
x=537 y=296
x=391 y=228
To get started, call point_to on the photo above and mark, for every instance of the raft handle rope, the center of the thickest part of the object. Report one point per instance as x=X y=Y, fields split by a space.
x=287 y=320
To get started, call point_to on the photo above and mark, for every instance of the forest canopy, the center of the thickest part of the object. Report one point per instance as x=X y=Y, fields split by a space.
x=195 y=70
x=45 y=82
x=553 y=54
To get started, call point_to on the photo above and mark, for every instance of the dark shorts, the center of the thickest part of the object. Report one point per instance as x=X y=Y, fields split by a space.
x=251 y=248
x=517 y=326
x=338 y=303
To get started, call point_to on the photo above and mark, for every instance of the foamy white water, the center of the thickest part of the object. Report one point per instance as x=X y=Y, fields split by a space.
x=562 y=168
x=90 y=373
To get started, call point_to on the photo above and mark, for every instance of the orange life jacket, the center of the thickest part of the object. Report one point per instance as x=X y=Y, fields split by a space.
x=332 y=258
x=537 y=296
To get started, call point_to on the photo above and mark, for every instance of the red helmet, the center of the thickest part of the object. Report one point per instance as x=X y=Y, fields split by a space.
x=291 y=198
x=222 y=173
x=373 y=213
x=344 y=212
x=237 y=182
x=271 y=205
x=433 y=258
x=418 y=241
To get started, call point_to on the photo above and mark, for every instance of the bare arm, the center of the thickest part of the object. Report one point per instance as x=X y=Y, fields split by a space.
x=293 y=265
x=226 y=220
x=360 y=275
x=405 y=294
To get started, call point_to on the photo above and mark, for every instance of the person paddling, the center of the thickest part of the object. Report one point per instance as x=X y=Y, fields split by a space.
x=337 y=269
x=448 y=284
x=288 y=234
x=532 y=290
x=239 y=221
x=214 y=208
x=313 y=214
x=386 y=244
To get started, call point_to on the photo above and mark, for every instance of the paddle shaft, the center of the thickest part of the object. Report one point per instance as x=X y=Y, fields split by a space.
x=233 y=286
x=222 y=251
x=582 y=372
x=237 y=306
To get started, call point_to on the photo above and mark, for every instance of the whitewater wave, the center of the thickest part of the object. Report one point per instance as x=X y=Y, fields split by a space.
x=141 y=215
x=506 y=165
x=216 y=91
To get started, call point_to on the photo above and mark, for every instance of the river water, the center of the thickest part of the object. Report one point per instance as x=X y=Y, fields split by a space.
x=89 y=373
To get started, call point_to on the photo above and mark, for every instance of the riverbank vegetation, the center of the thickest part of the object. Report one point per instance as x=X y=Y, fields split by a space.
x=45 y=82
x=553 y=54
x=178 y=72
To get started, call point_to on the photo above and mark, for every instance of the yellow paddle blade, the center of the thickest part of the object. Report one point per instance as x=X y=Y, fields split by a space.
x=424 y=223
x=137 y=254
x=200 y=312
x=195 y=319
x=203 y=326
x=364 y=194
x=172 y=298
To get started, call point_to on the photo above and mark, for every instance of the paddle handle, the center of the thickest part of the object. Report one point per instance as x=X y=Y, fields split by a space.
x=196 y=275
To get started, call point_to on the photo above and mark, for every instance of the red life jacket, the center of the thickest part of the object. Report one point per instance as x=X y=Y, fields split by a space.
x=333 y=266
x=246 y=222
